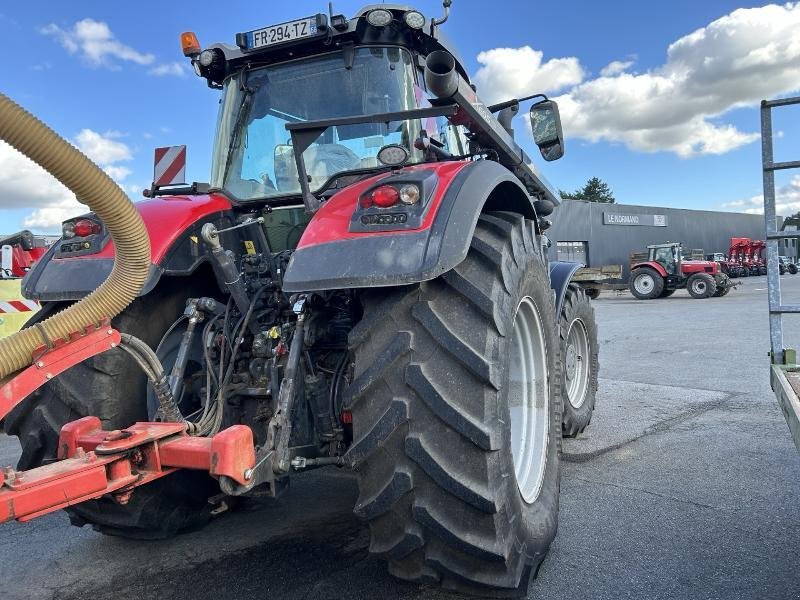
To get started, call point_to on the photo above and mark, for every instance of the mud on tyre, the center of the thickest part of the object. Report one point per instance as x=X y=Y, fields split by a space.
x=436 y=405
x=111 y=386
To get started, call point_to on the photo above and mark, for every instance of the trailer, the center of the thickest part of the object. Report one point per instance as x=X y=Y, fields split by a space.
x=596 y=279
x=784 y=369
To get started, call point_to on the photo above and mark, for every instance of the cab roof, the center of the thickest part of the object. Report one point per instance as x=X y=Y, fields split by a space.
x=339 y=33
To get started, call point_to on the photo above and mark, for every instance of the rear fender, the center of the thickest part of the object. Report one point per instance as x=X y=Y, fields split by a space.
x=657 y=267
x=338 y=251
x=561 y=273
x=176 y=248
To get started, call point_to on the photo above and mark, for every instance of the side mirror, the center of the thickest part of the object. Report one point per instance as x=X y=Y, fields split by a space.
x=546 y=128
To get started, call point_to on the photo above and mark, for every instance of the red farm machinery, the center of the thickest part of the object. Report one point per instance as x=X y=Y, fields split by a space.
x=665 y=270
x=363 y=284
x=19 y=252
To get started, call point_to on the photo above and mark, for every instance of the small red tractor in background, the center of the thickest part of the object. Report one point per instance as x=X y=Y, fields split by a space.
x=19 y=252
x=665 y=271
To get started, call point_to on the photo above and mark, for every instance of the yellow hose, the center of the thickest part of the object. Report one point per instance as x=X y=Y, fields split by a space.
x=93 y=187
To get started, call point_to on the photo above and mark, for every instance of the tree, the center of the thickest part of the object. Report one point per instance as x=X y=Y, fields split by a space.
x=595 y=190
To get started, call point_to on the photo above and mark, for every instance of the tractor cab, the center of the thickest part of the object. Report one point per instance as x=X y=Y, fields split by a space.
x=668 y=256
x=312 y=106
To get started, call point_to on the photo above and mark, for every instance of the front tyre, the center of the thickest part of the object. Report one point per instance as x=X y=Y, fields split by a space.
x=456 y=406
x=701 y=285
x=579 y=351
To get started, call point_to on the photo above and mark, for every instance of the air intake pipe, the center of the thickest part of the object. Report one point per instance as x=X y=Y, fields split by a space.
x=441 y=78
x=34 y=139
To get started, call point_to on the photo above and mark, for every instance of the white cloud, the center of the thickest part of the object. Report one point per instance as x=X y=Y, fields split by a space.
x=615 y=68
x=24 y=184
x=733 y=62
x=96 y=44
x=104 y=149
x=174 y=69
x=787 y=200
x=116 y=172
x=513 y=72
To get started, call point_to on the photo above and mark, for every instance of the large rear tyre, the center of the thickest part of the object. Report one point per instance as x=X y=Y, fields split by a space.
x=456 y=407
x=792 y=269
x=701 y=285
x=578 y=334
x=111 y=386
x=646 y=284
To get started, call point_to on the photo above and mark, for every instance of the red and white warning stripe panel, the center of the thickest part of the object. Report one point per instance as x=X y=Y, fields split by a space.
x=16 y=306
x=170 y=166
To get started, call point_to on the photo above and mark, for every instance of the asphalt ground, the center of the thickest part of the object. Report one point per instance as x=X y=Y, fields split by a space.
x=686 y=485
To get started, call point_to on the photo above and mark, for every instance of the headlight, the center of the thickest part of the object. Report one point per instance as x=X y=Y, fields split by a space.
x=409 y=194
x=414 y=19
x=393 y=155
x=379 y=17
x=206 y=57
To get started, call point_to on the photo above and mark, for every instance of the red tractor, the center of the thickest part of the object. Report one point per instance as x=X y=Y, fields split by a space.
x=364 y=284
x=666 y=271
x=19 y=253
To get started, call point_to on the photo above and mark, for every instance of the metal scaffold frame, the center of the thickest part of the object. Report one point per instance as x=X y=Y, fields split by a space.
x=785 y=376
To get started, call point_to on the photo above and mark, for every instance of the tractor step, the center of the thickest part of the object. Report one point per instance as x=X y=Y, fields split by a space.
x=93 y=462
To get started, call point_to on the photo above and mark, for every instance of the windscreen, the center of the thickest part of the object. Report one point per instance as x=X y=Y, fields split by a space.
x=253 y=157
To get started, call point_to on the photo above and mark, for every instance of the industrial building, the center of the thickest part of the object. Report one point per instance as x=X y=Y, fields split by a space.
x=605 y=234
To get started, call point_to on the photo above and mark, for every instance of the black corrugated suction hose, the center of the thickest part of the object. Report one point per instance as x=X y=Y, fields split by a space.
x=95 y=188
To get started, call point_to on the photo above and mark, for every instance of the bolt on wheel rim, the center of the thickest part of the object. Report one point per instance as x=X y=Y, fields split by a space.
x=699 y=287
x=577 y=363
x=644 y=284
x=528 y=400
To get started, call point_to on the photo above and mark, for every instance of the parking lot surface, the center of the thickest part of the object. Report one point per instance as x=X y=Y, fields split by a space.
x=686 y=485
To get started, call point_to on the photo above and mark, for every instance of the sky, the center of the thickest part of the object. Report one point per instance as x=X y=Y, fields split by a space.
x=658 y=99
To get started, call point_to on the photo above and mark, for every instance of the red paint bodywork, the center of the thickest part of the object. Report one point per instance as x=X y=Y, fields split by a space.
x=22 y=260
x=653 y=265
x=166 y=218
x=688 y=267
x=332 y=220
x=50 y=363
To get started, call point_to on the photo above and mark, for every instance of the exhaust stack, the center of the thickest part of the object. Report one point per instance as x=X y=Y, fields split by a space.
x=440 y=74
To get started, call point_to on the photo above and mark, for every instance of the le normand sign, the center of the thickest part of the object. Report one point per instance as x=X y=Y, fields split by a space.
x=647 y=220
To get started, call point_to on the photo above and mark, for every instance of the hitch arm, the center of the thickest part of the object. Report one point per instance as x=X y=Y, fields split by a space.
x=93 y=463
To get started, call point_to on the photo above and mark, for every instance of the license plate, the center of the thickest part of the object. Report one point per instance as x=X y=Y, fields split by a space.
x=285 y=32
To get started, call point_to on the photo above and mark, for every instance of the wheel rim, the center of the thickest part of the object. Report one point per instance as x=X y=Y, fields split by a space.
x=576 y=363
x=699 y=287
x=528 y=400
x=644 y=283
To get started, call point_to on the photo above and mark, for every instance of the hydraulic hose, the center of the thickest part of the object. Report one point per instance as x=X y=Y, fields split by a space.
x=94 y=187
